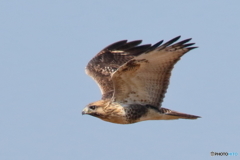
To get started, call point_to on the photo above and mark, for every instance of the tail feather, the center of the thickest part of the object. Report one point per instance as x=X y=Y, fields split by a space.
x=176 y=115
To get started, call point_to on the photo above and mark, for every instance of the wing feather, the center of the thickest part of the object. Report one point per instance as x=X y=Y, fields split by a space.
x=109 y=60
x=144 y=79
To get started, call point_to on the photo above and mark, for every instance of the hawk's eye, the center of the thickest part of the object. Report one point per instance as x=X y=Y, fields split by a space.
x=92 y=107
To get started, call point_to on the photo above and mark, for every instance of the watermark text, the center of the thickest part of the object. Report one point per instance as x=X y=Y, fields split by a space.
x=223 y=153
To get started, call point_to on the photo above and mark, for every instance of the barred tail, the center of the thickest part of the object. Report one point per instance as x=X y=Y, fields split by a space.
x=170 y=114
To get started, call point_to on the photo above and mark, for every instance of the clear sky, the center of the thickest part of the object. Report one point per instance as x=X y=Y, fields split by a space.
x=45 y=46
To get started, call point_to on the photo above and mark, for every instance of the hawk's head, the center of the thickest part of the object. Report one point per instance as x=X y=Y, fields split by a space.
x=96 y=109
x=106 y=111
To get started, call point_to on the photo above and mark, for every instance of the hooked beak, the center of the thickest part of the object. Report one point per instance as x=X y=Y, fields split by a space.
x=85 y=111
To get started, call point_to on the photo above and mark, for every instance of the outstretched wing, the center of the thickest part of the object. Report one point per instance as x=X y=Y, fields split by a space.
x=145 y=78
x=109 y=60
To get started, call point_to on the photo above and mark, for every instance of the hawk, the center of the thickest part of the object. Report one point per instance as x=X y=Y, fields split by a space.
x=133 y=80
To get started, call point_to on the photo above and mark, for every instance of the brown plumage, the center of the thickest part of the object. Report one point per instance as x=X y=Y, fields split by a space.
x=133 y=80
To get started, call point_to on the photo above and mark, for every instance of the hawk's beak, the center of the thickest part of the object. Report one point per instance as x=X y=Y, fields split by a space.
x=85 y=111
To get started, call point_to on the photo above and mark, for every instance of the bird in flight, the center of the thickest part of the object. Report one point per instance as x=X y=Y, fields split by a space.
x=133 y=80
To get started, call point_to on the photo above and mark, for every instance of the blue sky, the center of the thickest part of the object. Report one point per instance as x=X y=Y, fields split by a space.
x=45 y=46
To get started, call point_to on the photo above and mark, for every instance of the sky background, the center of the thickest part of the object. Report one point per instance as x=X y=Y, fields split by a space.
x=45 y=46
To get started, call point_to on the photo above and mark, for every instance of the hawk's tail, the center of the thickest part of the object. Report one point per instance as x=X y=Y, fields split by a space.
x=170 y=114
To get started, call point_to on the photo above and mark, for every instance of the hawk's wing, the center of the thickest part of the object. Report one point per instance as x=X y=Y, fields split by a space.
x=109 y=60
x=145 y=78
